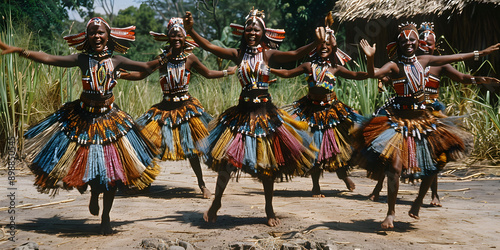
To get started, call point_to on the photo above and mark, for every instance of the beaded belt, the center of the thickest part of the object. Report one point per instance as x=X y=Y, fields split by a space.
x=322 y=99
x=96 y=103
x=256 y=99
x=175 y=98
x=407 y=103
x=256 y=85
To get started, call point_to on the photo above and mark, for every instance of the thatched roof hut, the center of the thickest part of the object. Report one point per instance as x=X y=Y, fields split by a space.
x=466 y=24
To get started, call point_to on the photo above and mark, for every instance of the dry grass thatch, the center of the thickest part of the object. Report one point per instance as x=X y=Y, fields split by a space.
x=349 y=10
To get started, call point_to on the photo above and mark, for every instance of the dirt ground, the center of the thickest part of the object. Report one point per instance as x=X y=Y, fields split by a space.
x=173 y=209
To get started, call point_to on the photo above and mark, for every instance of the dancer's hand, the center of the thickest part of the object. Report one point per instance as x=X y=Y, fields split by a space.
x=369 y=50
x=7 y=49
x=188 y=21
x=231 y=70
x=320 y=34
x=490 y=49
x=487 y=80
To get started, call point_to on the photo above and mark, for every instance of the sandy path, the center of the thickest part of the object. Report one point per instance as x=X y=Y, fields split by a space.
x=174 y=208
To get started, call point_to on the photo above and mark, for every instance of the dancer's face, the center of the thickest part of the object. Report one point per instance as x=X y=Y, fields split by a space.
x=431 y=43
x=97 y=36
x=408 y=43
x=176 y=39
x=326 y=48
x=253 y=33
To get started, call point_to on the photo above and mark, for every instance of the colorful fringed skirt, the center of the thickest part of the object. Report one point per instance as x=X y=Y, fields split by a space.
x=178 y=128
x=330 y=122
x=259 y=139
x=90 y=141
x=421 y=142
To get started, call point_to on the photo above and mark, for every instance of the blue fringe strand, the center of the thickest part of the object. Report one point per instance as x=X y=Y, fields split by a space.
x=140 y=148
x=52 y=152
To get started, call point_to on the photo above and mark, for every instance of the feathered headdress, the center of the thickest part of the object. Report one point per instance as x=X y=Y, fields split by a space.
x=341 y=56
x=175 y=24
x=427 y=29
x=275 y=35
x=117 y=35
x=405 y=29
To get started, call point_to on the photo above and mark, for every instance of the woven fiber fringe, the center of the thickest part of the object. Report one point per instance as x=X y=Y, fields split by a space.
x=250 y=158
x=62 y=167
x=113 y=164
x=35 y=144
x=77 y=169
x=52 y=152
x=152 y=131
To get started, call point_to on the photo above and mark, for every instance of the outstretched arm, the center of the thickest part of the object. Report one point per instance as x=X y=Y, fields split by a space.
x=442 y=60
x=289 y=73
x=347 y=74
x=225 y=53
x=294 y=55
x=145 y=68
x=458 y=76
x=386 y=70
x=207 y=73
x=41 y=57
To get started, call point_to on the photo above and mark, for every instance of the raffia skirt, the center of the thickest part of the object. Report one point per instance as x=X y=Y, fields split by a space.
x=420 y=141
x=330 y=125
x=89 y=141
x=178 y=129
x=258 y=138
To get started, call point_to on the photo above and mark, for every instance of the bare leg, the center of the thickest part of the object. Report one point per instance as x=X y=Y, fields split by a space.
x=196 y=166
x=424 y=187
x=316 y=191
x=94 y=202
x=435 y=197
x=392 y=193
x=108 y=199
x=268 y=184
x=375 y=195
x=222 y=179
x=342 y=174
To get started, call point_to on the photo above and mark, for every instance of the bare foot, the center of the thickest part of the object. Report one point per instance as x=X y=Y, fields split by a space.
x=94 y=204
x=211 y=214
x=273 y=222
x=435 y=202
x=388 y=222
x=349 y=184
x=317 y=192
x=206 y=193
x=106 y=226
x=415 y=208
x=374 y=197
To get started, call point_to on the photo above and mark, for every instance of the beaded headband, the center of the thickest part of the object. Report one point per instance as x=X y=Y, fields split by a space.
x=120 y=35
x=427 y=29
x=405 y=29
x=275 y=35
x=176 y=24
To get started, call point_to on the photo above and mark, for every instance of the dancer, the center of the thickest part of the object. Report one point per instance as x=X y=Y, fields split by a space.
x=407 y=140
x=255 y=136
x=433 y=75
x=178 y=124
x=90 y=141
x=329 y=119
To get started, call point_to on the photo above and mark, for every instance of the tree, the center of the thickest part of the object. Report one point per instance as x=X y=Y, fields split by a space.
x=145 y=19
x=48 y=19
x=301 y=17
